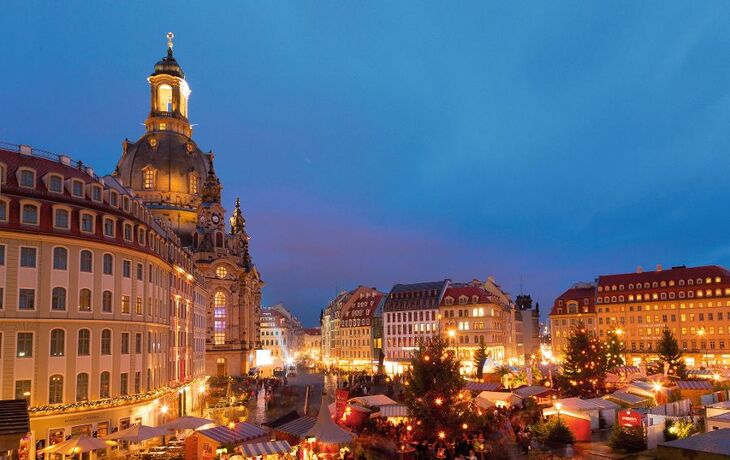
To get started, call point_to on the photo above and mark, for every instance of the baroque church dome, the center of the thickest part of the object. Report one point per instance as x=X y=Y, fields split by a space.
x=165 y=167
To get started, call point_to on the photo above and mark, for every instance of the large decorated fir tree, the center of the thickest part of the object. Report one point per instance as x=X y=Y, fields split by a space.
x=585 y=363
x=480 y=357
x=670 y=356
x=614 y=349
x=432 y=389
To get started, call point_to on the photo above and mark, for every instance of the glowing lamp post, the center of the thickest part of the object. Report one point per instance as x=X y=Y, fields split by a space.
x=701 y=333
x=558 y=406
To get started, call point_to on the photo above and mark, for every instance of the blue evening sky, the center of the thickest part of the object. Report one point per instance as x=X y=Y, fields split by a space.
x=383 y=142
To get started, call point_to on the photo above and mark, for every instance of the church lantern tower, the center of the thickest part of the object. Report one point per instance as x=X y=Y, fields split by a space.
x=169 y=96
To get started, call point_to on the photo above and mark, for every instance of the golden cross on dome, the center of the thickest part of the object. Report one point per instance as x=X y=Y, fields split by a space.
x=170 y=36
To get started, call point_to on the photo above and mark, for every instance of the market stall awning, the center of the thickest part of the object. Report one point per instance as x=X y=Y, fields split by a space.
x=255 y=449
x=483 y=386
x=241 y=432
x=393 y=410
x=298 y=427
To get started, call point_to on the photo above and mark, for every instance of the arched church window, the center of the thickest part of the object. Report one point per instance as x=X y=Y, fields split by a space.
x=194 y=183
x=149 y=179
x=219 y=318
x=164 y=98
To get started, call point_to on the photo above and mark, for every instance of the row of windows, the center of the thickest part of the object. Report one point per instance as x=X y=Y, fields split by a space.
x=463 y=300
x=57 y=344
x=410 y=328
x=27 y=301
x=656 y=284
x=411 y=316
x=476 y=312
x=665 y=295
x=149 y=178
x=78 y=188
x=55 y=386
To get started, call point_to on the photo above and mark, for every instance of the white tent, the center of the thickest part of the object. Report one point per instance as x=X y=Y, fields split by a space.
x=326 y=431
x=186 y=422
x=137 y=433
x=487 y=399
x=78 y=445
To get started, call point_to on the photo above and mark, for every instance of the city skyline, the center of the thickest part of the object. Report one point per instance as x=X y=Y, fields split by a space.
x=416 y=153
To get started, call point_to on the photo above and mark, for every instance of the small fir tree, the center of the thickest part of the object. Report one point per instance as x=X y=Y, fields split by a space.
x=480 y=357
x=432 y=389
x=670 y=356
x=614 y=349
x=584 y=367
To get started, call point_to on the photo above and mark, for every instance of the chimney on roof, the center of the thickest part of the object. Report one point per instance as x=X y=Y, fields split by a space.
x=639 y=269
x=658 y=267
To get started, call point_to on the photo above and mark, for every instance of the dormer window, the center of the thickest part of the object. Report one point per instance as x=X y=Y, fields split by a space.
x=77 y=188
x=26 y=178
x=125 y=203
x=96 y=193
x=114 y=198
x=55 y=183
x=87 y=223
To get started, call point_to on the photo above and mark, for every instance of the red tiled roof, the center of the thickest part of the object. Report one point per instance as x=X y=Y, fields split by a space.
x=672 y=274
x=578 y=294
x=456 y=291
x=362 y=304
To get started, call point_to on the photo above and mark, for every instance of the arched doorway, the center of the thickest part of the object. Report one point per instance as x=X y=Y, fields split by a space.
x=221 y=367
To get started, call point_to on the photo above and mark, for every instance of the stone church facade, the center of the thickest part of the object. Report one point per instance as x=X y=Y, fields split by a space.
x=177 y=182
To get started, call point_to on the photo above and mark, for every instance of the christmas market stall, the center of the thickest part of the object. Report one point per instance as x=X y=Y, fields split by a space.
x=265 y=450
x=210 y=443
x=294 y=431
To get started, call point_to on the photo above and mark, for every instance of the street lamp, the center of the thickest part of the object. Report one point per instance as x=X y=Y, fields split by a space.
x=547 y=353
x=452 y=334
x=557 y=408
x=701 y=333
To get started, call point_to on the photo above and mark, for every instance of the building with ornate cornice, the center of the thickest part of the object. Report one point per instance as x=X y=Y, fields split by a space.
x=177 y=182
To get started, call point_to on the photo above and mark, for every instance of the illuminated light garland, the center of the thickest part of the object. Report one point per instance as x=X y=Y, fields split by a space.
x=49 y=409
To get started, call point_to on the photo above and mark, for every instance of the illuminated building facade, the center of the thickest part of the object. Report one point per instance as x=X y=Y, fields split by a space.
x=693 y=302
x=410 y=317
x=102 y=310
x=472 y=317
x=177 y=182
x=360 y=331
x=279 y=330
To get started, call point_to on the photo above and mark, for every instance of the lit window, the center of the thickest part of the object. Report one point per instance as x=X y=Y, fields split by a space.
x=194 y=183
x=221 y=272
x=219 y=314
x=85 y=300
x=57 y=342
x=55 y=389
x=149 y=179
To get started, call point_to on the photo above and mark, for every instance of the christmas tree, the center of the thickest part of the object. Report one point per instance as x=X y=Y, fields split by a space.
x=480 y=357
x=584 y=367
x=432 y=389
x=668 y=350
x=614 y=349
